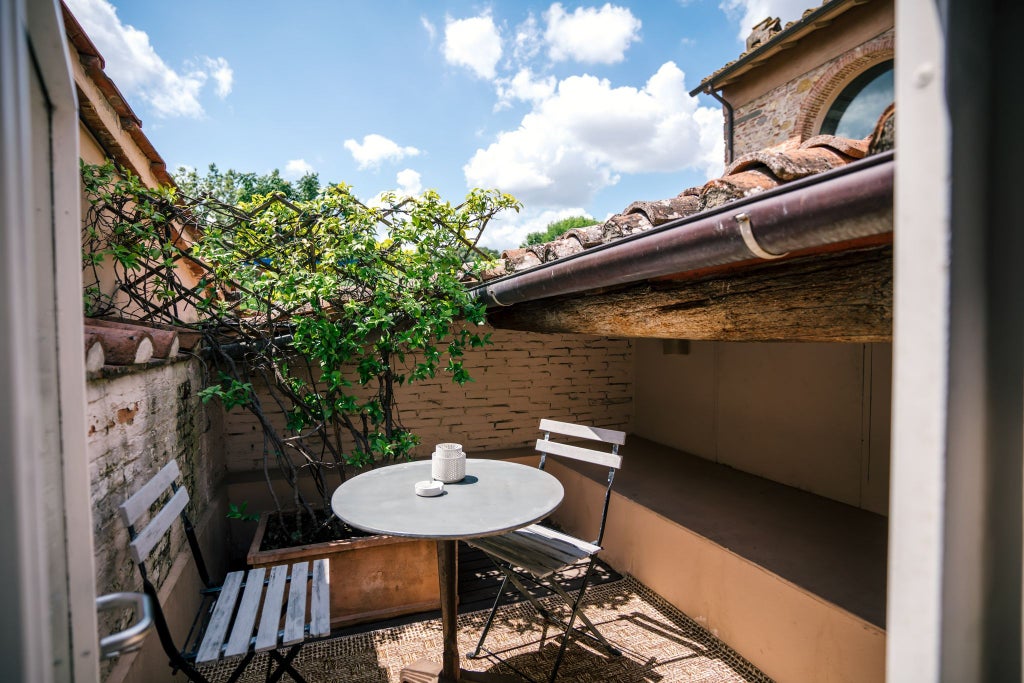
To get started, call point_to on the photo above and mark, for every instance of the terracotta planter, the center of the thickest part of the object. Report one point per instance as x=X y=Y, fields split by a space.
x=372 y=578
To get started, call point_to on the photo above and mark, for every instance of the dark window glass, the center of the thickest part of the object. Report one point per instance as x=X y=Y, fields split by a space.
x=856 y=110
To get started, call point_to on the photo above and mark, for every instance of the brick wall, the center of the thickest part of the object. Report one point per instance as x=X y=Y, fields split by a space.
x=519 y=379
x=792 y=109
x=137 y=422
x=771 y=118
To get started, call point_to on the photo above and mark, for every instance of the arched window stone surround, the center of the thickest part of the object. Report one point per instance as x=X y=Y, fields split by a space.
x=838 y=76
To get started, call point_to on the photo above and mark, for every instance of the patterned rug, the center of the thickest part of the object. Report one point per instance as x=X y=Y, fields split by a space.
x=659 y=643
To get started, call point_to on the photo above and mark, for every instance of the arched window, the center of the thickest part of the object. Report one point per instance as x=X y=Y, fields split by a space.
x=854 y=113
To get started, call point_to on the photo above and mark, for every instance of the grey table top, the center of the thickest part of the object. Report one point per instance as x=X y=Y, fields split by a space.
x=494 y=497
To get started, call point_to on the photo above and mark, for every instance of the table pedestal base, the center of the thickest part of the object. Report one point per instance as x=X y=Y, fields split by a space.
x=426 y=671
x=448 y=670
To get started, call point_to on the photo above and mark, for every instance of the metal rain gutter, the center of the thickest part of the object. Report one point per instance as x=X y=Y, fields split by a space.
x=838 y=206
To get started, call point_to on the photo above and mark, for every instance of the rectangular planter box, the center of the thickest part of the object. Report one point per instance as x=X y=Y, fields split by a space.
x=371 y=578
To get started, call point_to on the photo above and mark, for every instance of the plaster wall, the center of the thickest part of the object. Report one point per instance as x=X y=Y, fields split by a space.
x=89 y=149
x=518 y=380
x=110 y=123
x=137 y=422
x=92 y=151
x=812 y=416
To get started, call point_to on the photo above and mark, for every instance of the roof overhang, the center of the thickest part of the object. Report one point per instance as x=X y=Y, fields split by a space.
x=784 y=40
x=810 y=260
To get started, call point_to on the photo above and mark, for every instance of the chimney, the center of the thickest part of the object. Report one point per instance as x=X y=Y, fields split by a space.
x=763 y=32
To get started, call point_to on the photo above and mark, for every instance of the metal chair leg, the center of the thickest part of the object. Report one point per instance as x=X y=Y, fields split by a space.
x=240 y=669
x=595 y=634
x=285 y=664
x=570 y=630
x=490 y=619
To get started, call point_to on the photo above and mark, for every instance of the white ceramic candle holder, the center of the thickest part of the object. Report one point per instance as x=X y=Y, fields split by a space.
x=448 y=464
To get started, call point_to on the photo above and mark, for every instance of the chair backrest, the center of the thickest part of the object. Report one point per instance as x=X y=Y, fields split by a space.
x=610 y=459
x=144 y=540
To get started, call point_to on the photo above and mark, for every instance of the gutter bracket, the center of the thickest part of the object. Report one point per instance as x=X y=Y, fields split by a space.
x=746 y=231
x=493 y=297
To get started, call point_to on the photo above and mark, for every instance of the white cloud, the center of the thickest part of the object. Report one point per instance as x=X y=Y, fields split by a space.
x=222 y=74
x=509 y=229
x=429 y=27
x=750 y=12
x=296 y=168
x=375 y=149
x=409 y=182
x=524 y=86
x=581 y=138
x=590 y=35
x=474 y=43
x=139 y=71
x=528 y=40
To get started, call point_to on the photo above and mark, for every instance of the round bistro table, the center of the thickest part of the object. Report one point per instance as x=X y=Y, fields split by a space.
x=494 y=497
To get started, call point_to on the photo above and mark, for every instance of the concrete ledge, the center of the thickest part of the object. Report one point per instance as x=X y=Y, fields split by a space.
x=784 y=629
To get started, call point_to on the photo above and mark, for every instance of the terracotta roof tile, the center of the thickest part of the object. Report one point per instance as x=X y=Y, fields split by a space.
x=884 y=136
x=519 y=259
x=791 y=164
x=125 y=342
x=665 y=210
x=858 y=149
x=560 y=248
x=590 y=236
x=123 y=347
x=621 y=225
x=736 y=186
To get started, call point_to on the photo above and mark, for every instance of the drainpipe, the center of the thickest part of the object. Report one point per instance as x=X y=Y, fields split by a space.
x=728 y=124
x=845 y=204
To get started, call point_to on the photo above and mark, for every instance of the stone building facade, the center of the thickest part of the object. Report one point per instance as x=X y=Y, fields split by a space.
x=785 y=84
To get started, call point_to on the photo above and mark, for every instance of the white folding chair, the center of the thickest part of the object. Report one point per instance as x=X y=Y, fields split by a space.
x=224 y=625
x=538 y=555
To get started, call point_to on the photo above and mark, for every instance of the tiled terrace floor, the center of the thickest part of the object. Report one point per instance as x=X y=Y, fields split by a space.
x=659 y=643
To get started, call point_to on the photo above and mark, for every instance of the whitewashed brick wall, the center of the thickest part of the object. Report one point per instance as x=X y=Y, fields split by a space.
x=137 y=422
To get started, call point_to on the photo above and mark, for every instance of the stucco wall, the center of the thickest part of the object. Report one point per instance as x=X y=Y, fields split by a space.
x=519 y=379
x=137 y=422
x=812 y=416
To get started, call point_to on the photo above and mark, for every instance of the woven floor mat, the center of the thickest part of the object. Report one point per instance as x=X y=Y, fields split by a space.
x=659 y=643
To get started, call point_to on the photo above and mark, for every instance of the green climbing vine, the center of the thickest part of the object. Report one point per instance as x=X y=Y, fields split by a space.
x=316 y=309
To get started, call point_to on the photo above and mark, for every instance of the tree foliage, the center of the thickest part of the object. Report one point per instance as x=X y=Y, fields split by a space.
x=326 y=303
x=557 y=228
x=488 y=252
x=238 y=187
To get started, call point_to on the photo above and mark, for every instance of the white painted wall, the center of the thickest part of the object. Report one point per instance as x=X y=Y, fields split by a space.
x=46 y=594
x=812 y=416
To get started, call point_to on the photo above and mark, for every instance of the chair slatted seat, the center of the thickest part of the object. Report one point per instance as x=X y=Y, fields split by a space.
x=229 y=613
x=538 y=554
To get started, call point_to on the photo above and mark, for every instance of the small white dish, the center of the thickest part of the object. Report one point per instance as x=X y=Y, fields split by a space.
x=429 y=488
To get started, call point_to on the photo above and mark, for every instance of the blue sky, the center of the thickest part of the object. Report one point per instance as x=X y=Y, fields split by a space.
x=572 y=107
